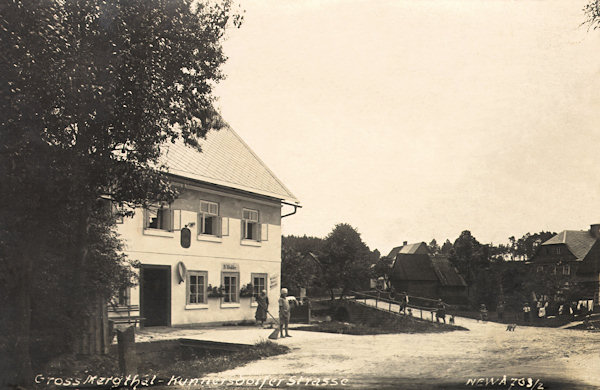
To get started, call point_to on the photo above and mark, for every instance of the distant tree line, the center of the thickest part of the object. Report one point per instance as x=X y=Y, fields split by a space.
x=342 y=262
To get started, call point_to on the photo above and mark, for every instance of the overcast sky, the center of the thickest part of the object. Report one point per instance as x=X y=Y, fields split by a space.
x=418 y=120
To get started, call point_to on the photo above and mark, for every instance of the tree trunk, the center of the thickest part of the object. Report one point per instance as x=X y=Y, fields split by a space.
x=19 y=324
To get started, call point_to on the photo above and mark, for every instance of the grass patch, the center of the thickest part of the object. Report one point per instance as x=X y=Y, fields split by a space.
x=216 y=362
x=406 y=325
x=184 y=362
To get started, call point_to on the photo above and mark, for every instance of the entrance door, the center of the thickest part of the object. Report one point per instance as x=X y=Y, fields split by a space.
x=155 y=295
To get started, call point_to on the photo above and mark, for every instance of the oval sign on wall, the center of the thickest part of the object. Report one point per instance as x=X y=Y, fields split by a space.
x=186 y=237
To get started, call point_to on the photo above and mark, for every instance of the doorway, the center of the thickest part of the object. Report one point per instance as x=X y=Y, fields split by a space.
x=155 y=295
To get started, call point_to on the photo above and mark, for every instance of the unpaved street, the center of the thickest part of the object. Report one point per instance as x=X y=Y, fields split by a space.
x=562 y=358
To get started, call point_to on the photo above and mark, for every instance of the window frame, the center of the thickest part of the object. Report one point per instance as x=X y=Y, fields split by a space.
x=566 y=268
x=247 y=222
x=203 y=215
x=188 y=285
x=124 y=296
x=256 y=291
x=159 y=211
x=229 y=274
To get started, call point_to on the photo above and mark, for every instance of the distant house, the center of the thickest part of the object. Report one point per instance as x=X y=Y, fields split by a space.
x=574 y=254
x=417 y=273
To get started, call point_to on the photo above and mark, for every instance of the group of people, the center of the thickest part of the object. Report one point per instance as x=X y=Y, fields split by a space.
x=262 y=310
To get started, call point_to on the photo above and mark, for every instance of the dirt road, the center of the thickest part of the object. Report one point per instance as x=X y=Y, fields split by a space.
x=558 y=358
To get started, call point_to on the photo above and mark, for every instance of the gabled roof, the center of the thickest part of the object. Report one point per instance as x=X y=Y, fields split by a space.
x=225 y=160
x=416 y=248
x=413 y=267
x=579 y=242
x=446 y=272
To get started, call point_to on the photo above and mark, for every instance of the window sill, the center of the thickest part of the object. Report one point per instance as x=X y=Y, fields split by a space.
x=208 y=237
x=197 y=306
x=230 y=305
x=250 y=243
x=158 y=233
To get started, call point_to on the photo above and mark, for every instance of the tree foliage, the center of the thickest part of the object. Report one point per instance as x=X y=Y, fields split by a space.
x=92 y=93
x=345 y=260
x=299 y=269
x=592 y=14
x=383 y=269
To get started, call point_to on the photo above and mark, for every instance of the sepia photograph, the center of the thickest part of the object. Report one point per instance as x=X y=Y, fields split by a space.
x=300 y=194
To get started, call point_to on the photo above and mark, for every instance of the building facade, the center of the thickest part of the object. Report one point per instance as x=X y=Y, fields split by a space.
x=206 y=256
x=417 y=273
x=572 y=257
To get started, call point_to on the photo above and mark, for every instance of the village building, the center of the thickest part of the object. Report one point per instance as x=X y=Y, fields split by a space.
x=575 y=256
x=416 y=272
x=205 y=257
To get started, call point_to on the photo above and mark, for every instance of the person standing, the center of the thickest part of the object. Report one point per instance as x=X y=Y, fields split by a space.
x=483 y=313
x=263 y=307
x=284 y=313
x=440 y=313
x=526 y=312
x=500 y=310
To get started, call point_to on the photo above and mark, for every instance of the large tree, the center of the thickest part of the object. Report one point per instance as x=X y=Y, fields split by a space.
x=345 y=260
x=90 y=93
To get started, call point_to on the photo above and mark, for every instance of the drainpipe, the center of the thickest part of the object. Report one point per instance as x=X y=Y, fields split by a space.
x=296 y=206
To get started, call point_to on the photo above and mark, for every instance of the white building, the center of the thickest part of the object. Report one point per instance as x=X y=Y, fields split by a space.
x=232 y=204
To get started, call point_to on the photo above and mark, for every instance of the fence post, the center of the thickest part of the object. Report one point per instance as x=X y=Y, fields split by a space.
x=126 y=349
x=421 y=310
x=390 y=308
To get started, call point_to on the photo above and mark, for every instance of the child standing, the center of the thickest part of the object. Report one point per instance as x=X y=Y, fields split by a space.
x=284 y=313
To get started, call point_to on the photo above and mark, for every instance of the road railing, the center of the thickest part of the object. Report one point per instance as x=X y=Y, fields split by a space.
x=407 y=304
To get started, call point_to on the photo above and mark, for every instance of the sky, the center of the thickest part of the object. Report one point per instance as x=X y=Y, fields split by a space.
x=418 y=120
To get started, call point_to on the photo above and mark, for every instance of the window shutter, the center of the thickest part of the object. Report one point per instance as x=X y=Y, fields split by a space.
x=224 y=222
x=264 y=232
x=171 y=223
x=145 y=217
x=176 y=220
x=242 y=230
x=199 y=224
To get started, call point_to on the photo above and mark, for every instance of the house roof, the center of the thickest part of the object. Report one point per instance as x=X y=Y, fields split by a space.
x=225 y=160
x=579 y=242
x=419 y=247
x=413 y=267
x=446 y=272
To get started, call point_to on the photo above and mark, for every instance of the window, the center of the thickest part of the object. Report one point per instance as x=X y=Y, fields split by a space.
x=566 y=270
x=123 y=296
x=231 y=287
x=196 y=287
x=158 y=218
x=117 y=211
x=540 y=268
x=259 y=283
x=208 y=219
x=558 y=250
x=250 y=226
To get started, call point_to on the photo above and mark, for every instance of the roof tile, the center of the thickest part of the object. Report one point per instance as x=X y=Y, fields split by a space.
x=225 y=160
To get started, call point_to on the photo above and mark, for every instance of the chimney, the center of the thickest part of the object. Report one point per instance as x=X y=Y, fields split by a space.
x=595 y=230
x=405 y=243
